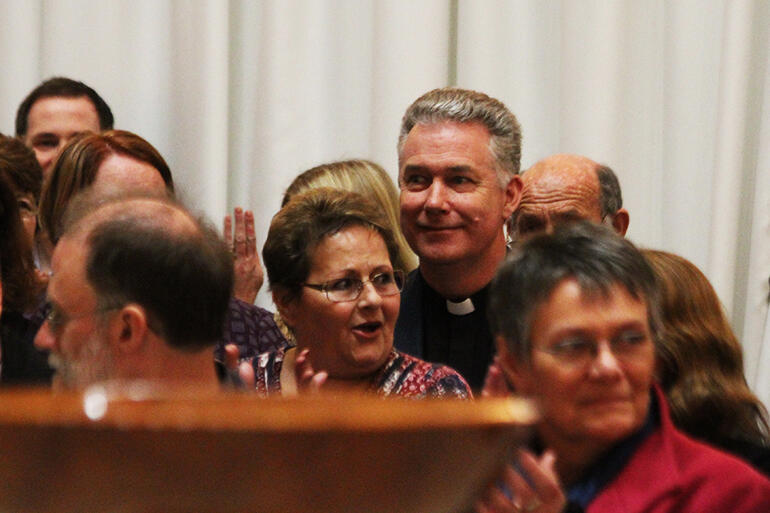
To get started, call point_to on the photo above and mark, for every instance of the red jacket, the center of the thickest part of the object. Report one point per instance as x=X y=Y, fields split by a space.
x=672 y=473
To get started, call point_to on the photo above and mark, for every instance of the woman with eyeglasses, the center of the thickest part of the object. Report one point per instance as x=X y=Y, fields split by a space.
x=329 y=260
x=356 y=175
x=577 y=321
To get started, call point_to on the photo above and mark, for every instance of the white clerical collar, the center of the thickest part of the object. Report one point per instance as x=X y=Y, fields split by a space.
x=464 y=307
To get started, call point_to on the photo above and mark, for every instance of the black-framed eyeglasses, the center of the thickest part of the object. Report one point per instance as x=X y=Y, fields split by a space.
x=387 y=283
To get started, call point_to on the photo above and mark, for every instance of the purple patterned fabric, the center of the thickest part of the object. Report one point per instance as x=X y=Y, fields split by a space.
x=251 y=328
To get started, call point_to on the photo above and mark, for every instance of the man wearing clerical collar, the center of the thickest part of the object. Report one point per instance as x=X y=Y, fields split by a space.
x=459 y=157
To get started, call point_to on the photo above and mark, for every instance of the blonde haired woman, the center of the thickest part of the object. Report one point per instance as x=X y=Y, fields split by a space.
x=371 y=181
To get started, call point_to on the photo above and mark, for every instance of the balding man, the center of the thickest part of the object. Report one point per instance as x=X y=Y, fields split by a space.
x=54 y=112
x=564 y=188
x=139 y=290
x=459 y=154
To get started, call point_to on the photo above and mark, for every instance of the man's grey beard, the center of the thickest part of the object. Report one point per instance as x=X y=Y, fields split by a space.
x=93 y=364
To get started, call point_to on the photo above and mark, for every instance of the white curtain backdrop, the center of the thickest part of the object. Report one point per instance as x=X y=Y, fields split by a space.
x=242 y=95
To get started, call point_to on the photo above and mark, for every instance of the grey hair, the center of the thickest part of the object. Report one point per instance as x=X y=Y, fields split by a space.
x=595 y=256
x=610 y=198
x=465 y=106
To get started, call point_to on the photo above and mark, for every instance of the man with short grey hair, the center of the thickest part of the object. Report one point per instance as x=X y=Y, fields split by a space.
x=459 y=154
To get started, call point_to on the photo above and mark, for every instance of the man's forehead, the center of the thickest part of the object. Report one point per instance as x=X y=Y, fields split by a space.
x=77 y=111
x=443 y=132
x=67 y=266
x=563 y=171
x=561 y=187
x=447 y=143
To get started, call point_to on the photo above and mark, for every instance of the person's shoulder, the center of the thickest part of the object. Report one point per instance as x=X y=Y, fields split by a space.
x=408 y=332
x=713 y=479
x=756 y=454
x=250 y=311
x=670 y=471
x=699 y=458
x=252 y=328
x=439 y=380
x=411 y=282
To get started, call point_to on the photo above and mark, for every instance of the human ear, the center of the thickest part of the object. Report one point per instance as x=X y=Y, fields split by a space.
x=512 y=196
x=514 y=370
x=286 y=305
x=128 y=329
x=620 y=222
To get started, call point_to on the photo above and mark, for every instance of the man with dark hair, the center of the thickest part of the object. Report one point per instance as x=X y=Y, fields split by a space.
x=565 y=188
x=56 y=110
x=459 y=154
x=139 y=290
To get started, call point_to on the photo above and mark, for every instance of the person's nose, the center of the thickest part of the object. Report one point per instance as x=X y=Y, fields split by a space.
x=45 y=338
x=605 y=363
x=369 y=296
x=438 y=199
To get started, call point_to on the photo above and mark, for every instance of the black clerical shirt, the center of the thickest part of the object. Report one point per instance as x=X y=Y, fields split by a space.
x=426 y=329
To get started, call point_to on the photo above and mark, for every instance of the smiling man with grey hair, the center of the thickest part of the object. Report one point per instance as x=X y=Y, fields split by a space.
x=459 y=153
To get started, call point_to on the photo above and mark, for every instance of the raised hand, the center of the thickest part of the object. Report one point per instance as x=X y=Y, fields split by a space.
x=243 y=244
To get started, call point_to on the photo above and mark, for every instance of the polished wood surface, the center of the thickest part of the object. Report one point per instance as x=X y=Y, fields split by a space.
x=194 y=451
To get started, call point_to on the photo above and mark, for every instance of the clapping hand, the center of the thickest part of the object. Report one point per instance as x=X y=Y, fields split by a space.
x=308 y=380
x=540 y=492
x=240 y=372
